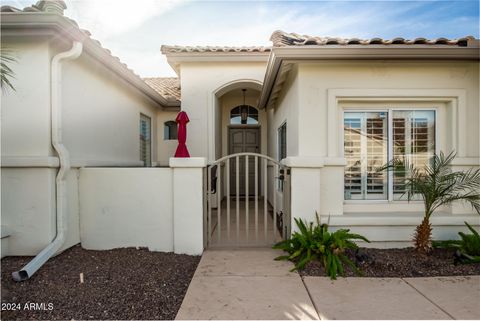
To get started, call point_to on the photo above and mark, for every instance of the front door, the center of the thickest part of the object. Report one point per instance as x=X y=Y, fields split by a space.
x=243 y=140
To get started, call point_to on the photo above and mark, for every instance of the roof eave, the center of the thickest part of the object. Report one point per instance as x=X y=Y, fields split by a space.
x=359 y=52
x=33 y=23
x=176 y=59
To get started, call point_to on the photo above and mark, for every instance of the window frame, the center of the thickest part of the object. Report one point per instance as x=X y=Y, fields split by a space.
x=389 y=110
x=166 y=124
x=148 y=162
x=248 y=115
x=279 y=128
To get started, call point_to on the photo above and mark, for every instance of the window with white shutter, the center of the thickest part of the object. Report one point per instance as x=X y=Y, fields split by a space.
x=368 y=145
x=145 y=140
x=413 y=142
x=282 y=148
x=365 y=152
x=282 y=142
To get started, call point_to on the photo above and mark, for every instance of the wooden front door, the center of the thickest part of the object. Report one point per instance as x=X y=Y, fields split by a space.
x=243 y=140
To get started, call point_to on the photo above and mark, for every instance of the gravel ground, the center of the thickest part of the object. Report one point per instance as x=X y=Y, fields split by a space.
x=401 y=263
x=123 y=284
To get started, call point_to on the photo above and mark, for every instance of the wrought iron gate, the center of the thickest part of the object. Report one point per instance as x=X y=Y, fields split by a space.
x=247 y=201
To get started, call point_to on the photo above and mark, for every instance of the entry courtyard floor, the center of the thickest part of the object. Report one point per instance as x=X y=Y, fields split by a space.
x=249 y=284
x=255 y=227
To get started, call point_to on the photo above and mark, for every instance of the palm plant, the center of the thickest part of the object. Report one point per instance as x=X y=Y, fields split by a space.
x=438 y=186
x=6 y=73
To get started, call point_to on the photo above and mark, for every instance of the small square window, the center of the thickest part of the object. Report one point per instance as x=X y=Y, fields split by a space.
x=170 y=130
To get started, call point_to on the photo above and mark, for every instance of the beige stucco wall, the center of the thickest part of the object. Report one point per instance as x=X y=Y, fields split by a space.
x=26 y=111
x=100 y=127
x=124 y=207
x=166 y=148
x=203 y=83
x=317 y=79
x=323 y=87
x=321 y=92
x=28 y=194
x=31 y=219
x=286 y=111
x=101 y=116
x=28 y=209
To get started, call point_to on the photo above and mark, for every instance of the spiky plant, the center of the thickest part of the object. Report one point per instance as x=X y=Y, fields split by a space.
x=316 y=242
x=6 y=73
x=468 y=246
x=438 y=186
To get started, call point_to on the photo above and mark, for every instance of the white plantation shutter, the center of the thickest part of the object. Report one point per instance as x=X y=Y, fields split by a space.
x=282 y=142
x=353 y=155
x=282 y=148
x=365 y=140
x=145 y=140
x=413 y=141
x=366 y=143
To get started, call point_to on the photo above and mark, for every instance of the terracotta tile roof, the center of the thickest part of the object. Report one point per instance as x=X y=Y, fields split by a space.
x=169 y=87
x=220 y=49
x=283 y=39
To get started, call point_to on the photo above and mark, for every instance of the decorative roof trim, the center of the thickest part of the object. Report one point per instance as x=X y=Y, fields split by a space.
x=283 y=39
x=180 y=54
x=165 y=49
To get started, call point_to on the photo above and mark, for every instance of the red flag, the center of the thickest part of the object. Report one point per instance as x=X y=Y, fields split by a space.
x=182 y=120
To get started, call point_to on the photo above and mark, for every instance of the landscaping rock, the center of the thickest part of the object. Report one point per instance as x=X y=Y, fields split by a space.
x=122 y=284
x=400 y=263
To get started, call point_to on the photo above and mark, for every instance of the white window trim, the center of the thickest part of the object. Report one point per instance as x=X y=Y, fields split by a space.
x=284 y=123
x=278 y=140
x=151 y=139
x=389 y=111
x=455 y=99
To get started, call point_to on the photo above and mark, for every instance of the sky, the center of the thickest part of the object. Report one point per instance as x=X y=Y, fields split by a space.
x=134 y=30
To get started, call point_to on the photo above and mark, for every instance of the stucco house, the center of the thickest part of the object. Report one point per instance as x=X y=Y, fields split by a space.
x=275 y=132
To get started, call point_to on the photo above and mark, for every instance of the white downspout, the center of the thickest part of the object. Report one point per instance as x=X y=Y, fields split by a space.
x=61 y=194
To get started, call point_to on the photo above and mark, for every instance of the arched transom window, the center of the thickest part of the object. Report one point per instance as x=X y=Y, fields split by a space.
x=244 y=114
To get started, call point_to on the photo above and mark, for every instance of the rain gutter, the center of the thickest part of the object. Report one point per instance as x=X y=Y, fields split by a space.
x=61 y=191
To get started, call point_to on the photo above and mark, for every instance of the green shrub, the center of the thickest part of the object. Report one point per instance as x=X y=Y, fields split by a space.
x=468 y=245
x=315 y=242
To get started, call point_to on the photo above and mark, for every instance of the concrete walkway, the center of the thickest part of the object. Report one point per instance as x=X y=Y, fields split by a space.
x=249 y=284
x=245 y=284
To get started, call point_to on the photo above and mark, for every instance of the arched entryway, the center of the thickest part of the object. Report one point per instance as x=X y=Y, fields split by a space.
x=226 y=99
x=239 y=126
x=244 y=205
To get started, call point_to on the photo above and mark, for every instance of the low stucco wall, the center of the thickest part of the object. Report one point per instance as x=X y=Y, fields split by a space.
x=123 y=207
x=29 y=209
x=384 y=228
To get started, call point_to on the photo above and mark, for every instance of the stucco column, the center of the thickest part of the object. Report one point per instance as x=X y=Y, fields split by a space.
x=188 y=204
x=316 y=187
x=305 y=198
